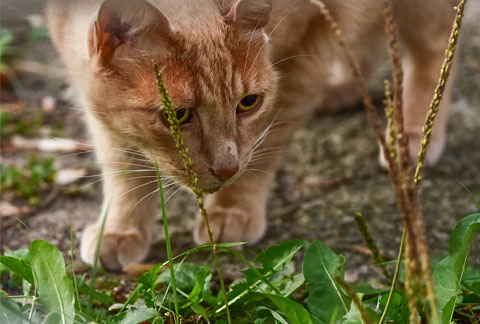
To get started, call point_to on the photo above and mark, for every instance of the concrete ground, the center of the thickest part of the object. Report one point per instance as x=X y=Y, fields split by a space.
x=330 y=171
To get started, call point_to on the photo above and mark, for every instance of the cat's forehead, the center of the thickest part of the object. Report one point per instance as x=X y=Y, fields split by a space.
x=215 y=70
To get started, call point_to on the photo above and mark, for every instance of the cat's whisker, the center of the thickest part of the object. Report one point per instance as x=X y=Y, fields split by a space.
x=141 y=177
x=267 y=149
x=173 y=194
x=148 y=157
x=143 y=185
x=143 y=198
x=252 y=176
x=288 y=58
x=126 y=163
x=91 y=183
x=116 y=155
x=264 y=156
x=248 y=48
x=89 y=108
x=261 y=171
x=121 y=172
x=134 y=152
x=268 y=36
x=124 y=150
x=78 y=153
x=268 y=154
x=261 y=137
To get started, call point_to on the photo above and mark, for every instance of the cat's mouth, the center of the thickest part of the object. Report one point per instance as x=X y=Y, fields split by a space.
x=211 y=190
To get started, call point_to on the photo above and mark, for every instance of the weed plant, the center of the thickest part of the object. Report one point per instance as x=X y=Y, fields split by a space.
x=29 y=181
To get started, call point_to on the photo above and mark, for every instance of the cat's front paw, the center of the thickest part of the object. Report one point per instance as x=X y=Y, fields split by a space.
x=434 y=150
x=230 y=225
x=119 y=248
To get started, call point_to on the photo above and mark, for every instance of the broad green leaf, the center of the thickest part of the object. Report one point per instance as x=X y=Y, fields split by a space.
x=276 y=257
x=202 y=281
x=353 y=316
x=134 y=316
x=18 y=261
x=149 y=278
x=289 y=285
x=448 y=273
x=52 y=283
x=52 y=318
x=260 y=320
x=23 y=254
x=295 y=312
x=395 y=310
x=18 y=266
x=10 y=312
x=184 y=275
x=471 y=279
x=320 y=267
x=274 y=314
x=198 y=309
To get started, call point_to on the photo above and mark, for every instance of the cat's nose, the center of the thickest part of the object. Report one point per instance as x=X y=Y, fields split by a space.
x=225 y=172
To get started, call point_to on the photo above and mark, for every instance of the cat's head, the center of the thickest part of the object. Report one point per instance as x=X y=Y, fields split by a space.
x=216 y=67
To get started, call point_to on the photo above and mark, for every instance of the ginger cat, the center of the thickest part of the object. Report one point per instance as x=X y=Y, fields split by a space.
x=235 y=70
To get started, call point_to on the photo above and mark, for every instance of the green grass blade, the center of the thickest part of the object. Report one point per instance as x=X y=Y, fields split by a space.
x=395 y=277
x=475 y=201
x=97 y=257
x=167 y=242
x=75 y=285
x=130 y=298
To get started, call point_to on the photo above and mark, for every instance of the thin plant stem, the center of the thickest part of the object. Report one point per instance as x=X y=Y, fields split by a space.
x=259 y=275
x=416 y=236
x=130 y=298
x=191 y=174
x=395 y=277
x=97 y=257
x=392 y=134
x=167 y=243
x=361 y=84
x=75 y=285
x=404 y=189
x=475 y=201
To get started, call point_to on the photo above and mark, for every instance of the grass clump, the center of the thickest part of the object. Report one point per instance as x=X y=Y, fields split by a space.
x=29 y=181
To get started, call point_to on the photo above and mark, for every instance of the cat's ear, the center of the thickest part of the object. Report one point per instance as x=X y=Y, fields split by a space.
x=128 y=24
x=250 y=14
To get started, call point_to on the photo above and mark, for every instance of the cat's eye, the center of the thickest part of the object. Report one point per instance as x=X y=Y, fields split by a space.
x=183 y=115
x=248 y=103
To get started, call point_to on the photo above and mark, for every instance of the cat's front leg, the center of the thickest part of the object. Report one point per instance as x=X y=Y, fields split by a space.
x=237 y=213
x=129 y=181
x=425 y=52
